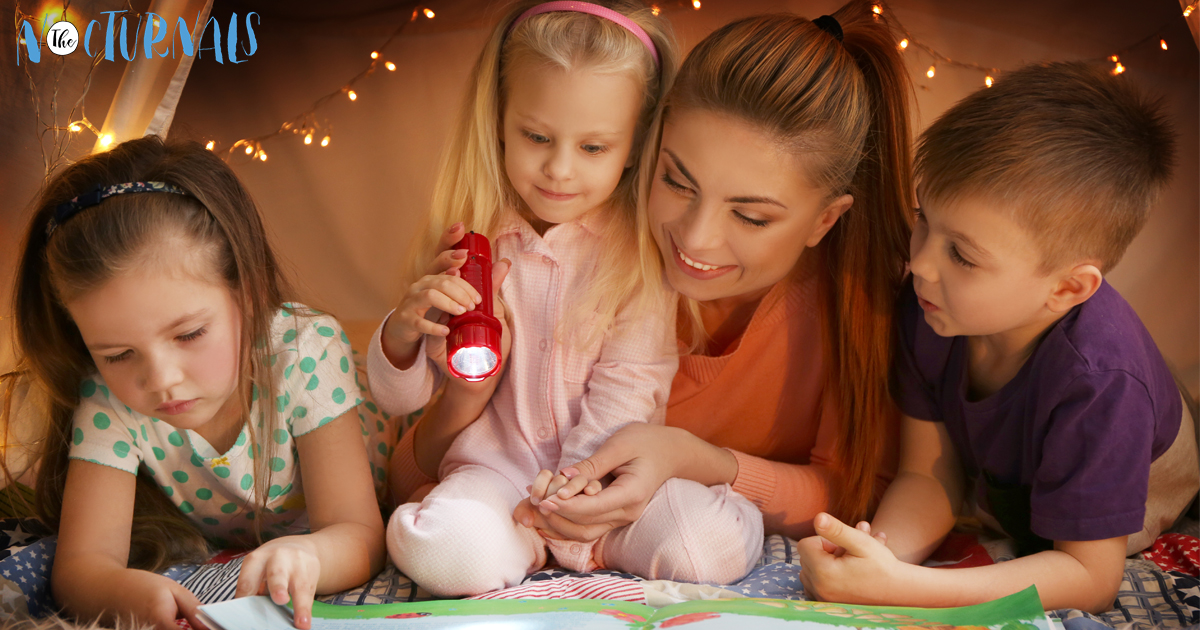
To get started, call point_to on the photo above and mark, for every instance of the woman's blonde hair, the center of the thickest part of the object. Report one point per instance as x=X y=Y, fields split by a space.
x=472 y=185
x=220 y=221
x=842 y=106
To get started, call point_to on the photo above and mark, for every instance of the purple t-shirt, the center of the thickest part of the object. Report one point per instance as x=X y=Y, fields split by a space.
x=1076 y=428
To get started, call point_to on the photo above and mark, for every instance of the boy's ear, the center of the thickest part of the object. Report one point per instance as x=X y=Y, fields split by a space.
x=829 y=217
x=1080 y=283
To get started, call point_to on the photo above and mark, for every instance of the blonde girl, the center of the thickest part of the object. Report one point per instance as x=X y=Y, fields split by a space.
x=188 y=400
x=553 y=149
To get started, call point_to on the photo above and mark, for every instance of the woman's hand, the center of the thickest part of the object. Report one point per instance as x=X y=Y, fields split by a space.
x=641 y=457
x=842 y=561
x=285 y=569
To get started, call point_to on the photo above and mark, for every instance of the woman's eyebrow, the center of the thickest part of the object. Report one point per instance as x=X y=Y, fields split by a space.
x=682 y=169
x=755 y=200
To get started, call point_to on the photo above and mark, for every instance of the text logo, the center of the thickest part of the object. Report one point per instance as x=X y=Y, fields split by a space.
x=62 y=38
x=116 y=35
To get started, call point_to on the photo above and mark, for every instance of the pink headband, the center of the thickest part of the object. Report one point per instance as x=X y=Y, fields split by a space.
x=592 y=9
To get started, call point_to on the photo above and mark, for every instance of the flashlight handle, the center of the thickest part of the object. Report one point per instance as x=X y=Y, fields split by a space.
x=477 y=270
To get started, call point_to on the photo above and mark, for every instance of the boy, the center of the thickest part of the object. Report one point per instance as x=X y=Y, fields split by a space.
x=1018 y=368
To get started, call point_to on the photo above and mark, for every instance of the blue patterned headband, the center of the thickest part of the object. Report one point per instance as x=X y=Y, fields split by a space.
x=68 y=209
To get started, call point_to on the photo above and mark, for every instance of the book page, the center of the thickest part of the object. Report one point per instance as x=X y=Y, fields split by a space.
x=1020 y=611
x=260 y=613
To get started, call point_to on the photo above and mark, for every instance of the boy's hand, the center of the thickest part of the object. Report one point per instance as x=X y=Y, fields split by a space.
x=284 y=568
x=153 y=599
x=845 y=564
x=862 y=526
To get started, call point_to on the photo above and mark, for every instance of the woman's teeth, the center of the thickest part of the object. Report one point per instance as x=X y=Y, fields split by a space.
x=692 y=263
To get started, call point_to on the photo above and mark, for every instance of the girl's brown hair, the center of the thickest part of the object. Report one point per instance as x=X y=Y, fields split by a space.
x=218 y=219
x=842 y=106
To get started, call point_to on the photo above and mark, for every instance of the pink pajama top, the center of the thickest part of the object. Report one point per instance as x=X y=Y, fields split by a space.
x=556 y=403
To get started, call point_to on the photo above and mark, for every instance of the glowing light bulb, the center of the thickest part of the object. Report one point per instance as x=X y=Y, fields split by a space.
x=106 y=140
x=987 y=81
x=930 y=72
x=308 y=138
x=654 y=10
x=374 y=54
x=1188 y=11
x=903 y=44
x=390 y=66
x=325 y=141
x=352 y=94
x=1114 y=58
x=1119 y=69
x=249 y=150
x=262 y=155
x=429 y=13
x=696 y=4
x=211 y=144
x=876 y=9
x=75 y=127
x=1163 y=43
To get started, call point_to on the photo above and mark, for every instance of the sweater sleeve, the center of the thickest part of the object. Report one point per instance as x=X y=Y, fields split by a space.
x=791 y=495
x=406 y=477
x=397 y=391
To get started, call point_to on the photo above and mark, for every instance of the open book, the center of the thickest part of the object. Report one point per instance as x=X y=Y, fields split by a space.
x=1020 y=611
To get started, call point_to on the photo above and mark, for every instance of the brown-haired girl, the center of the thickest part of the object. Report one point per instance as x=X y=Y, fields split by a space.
x=781 y=209
x=185 y=393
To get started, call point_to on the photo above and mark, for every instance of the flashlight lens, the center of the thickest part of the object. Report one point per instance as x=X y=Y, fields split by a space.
x=473 y=361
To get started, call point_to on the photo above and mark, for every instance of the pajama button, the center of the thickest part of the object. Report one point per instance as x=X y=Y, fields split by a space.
x=542 y=345
x=542 y=433
x=576 y=549
x=547 y=260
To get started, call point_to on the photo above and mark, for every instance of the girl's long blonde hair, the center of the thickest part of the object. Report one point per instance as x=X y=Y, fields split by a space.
x=472 y=185
x=843 y=105
x=219 y=219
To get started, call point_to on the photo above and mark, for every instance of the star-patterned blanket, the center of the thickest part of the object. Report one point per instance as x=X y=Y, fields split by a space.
x=1160 y=589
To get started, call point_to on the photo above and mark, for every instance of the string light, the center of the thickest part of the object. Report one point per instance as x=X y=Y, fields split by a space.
x=877 y=9
x=903 y=44
x=1163 y=43
x=211 y=145
x=262 y=155
x=654 y=10
x=390 y=66
x=308 y=138
x=696 y=4
x=325 y=141
x=249 y=150
x=931 y=71
x=1188 y=10
x=352 y=94
x=106 y=140
x=988 y=81
x=1118 y=69
x=429 y=13
x=75 y=127
x=1114 y=58
x=375 y=54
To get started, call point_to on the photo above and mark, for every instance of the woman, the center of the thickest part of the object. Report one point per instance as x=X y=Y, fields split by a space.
x=781 y=207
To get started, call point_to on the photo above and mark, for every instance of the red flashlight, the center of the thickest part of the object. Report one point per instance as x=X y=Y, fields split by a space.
x=473 y=346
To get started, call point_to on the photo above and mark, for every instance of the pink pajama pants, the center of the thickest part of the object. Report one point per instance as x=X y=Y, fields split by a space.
x=461 y=540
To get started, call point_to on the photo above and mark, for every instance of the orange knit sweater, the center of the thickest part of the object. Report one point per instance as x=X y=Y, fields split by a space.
x=765 y=400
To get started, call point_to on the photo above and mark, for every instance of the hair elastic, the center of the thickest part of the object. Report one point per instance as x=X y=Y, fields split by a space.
x=68 y=209
x=830 y=25
x=591 y=9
